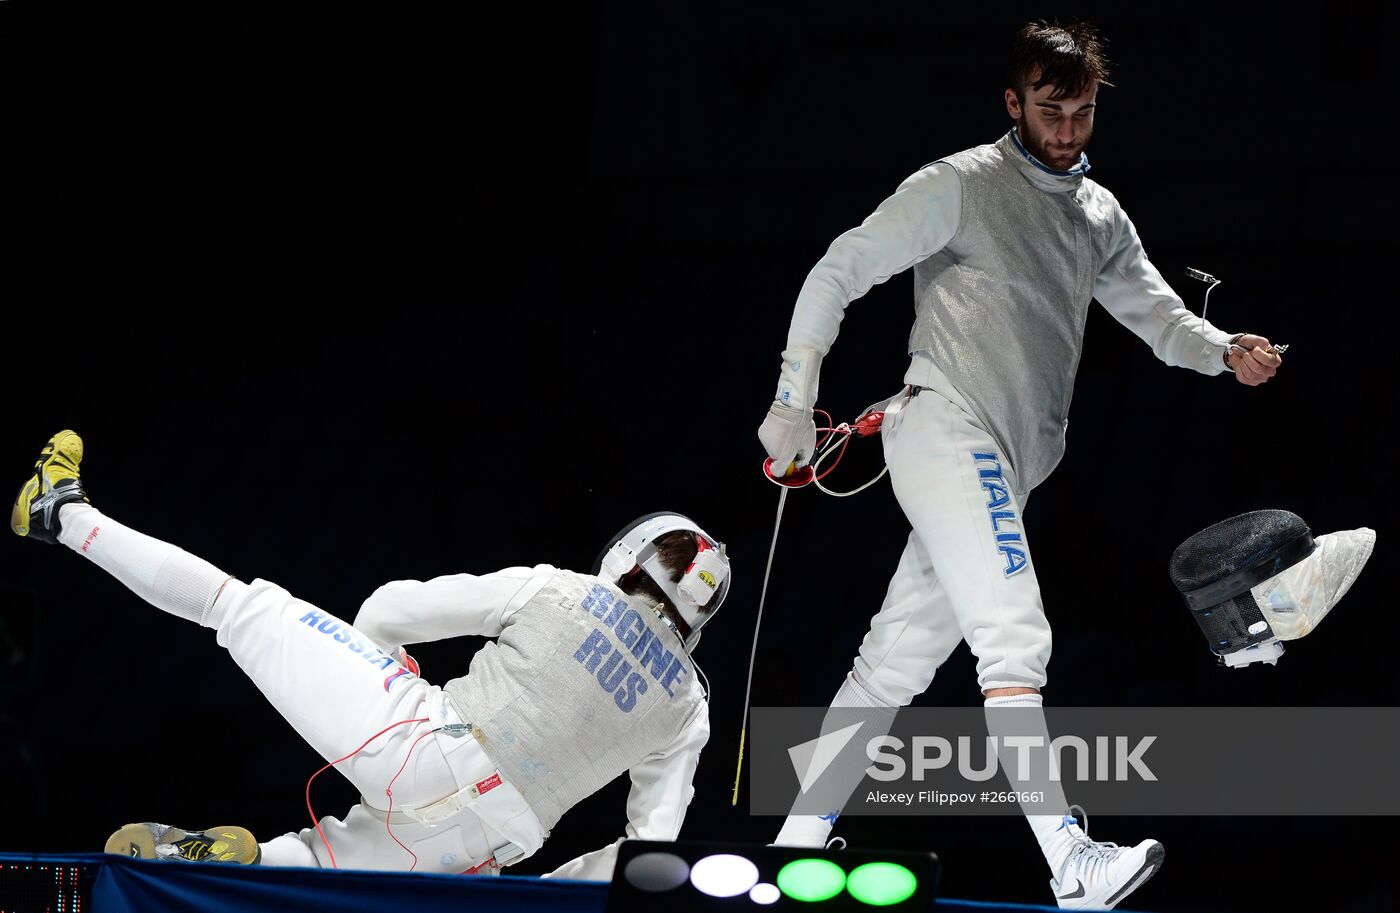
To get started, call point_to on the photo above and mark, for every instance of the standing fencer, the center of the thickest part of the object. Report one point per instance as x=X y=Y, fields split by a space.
x=1009 y=243
x=590 y=675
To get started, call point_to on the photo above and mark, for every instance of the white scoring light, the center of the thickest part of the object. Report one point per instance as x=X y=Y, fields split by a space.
x=765 y=893
x=724 y=875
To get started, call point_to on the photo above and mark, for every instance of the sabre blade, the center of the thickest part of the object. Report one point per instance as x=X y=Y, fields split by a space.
x=753 y=654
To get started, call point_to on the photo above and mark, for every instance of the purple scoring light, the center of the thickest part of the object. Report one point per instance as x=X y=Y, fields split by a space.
x=656 y=872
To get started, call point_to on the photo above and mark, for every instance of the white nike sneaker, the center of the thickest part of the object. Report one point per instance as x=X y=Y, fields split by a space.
x=1099 y=875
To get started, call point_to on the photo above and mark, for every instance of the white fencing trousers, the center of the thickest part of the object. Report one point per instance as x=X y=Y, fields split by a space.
x=966 y=572
x=337 y=688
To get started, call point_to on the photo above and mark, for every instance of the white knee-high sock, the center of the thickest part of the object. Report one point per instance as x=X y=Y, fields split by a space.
x=813 y=830
x=166 y=576
x=1055 y=836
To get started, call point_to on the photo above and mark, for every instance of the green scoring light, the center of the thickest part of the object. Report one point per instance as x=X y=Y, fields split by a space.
x=811 y=880
x=881 y=884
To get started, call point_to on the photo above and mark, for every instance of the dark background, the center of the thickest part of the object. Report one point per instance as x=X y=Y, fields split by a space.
x=343 y=297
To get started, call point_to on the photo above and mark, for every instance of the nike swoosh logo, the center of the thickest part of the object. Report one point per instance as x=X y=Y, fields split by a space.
x=1077 y=892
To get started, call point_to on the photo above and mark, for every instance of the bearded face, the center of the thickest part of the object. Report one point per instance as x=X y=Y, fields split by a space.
x=1055 y=131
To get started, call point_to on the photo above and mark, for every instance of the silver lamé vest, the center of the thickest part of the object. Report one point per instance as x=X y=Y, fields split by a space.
x=1001 y=308
x=583 y=683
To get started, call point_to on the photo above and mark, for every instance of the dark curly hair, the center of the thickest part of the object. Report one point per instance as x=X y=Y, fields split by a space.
x=1071 y=58
x=676 y=550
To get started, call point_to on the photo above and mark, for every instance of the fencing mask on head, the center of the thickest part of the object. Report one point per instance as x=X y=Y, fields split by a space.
x=1258 y=579
x=704 y=584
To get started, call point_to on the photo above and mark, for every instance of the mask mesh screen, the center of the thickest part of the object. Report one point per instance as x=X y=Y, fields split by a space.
x=1226 y=548
x=1232 y=545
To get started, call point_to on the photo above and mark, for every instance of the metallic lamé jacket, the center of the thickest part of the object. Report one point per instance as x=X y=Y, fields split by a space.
x=1007 y=256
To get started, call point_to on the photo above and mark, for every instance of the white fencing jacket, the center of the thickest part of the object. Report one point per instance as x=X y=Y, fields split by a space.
x=582 y=683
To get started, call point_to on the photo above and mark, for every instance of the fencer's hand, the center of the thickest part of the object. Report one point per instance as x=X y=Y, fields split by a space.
x=1253 y=360
x=409 y=662
x=789 y=435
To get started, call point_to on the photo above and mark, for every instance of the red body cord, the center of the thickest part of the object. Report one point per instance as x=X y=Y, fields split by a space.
x=864 y=426
x=389 y=791
x=317 y=824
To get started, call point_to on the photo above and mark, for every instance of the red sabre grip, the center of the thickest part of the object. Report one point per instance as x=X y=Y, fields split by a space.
x=795 y=479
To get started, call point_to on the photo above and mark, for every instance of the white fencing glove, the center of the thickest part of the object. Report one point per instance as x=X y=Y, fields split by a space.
x=790 y=436
x=789 y=433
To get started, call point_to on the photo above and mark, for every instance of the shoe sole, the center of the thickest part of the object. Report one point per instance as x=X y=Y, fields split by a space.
x=1150 y=865
x=67 y=446
x=19 y=514
x=233 y=846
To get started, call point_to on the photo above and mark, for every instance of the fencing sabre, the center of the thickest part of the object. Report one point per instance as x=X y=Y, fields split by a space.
x=865 y=426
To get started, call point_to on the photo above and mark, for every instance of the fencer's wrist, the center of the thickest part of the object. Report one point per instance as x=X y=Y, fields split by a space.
x=1230 y=350
x=789 y=413
x=797 y=381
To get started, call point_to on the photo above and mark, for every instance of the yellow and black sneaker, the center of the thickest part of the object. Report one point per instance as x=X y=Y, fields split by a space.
x=54 y=484
x=228 y=845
